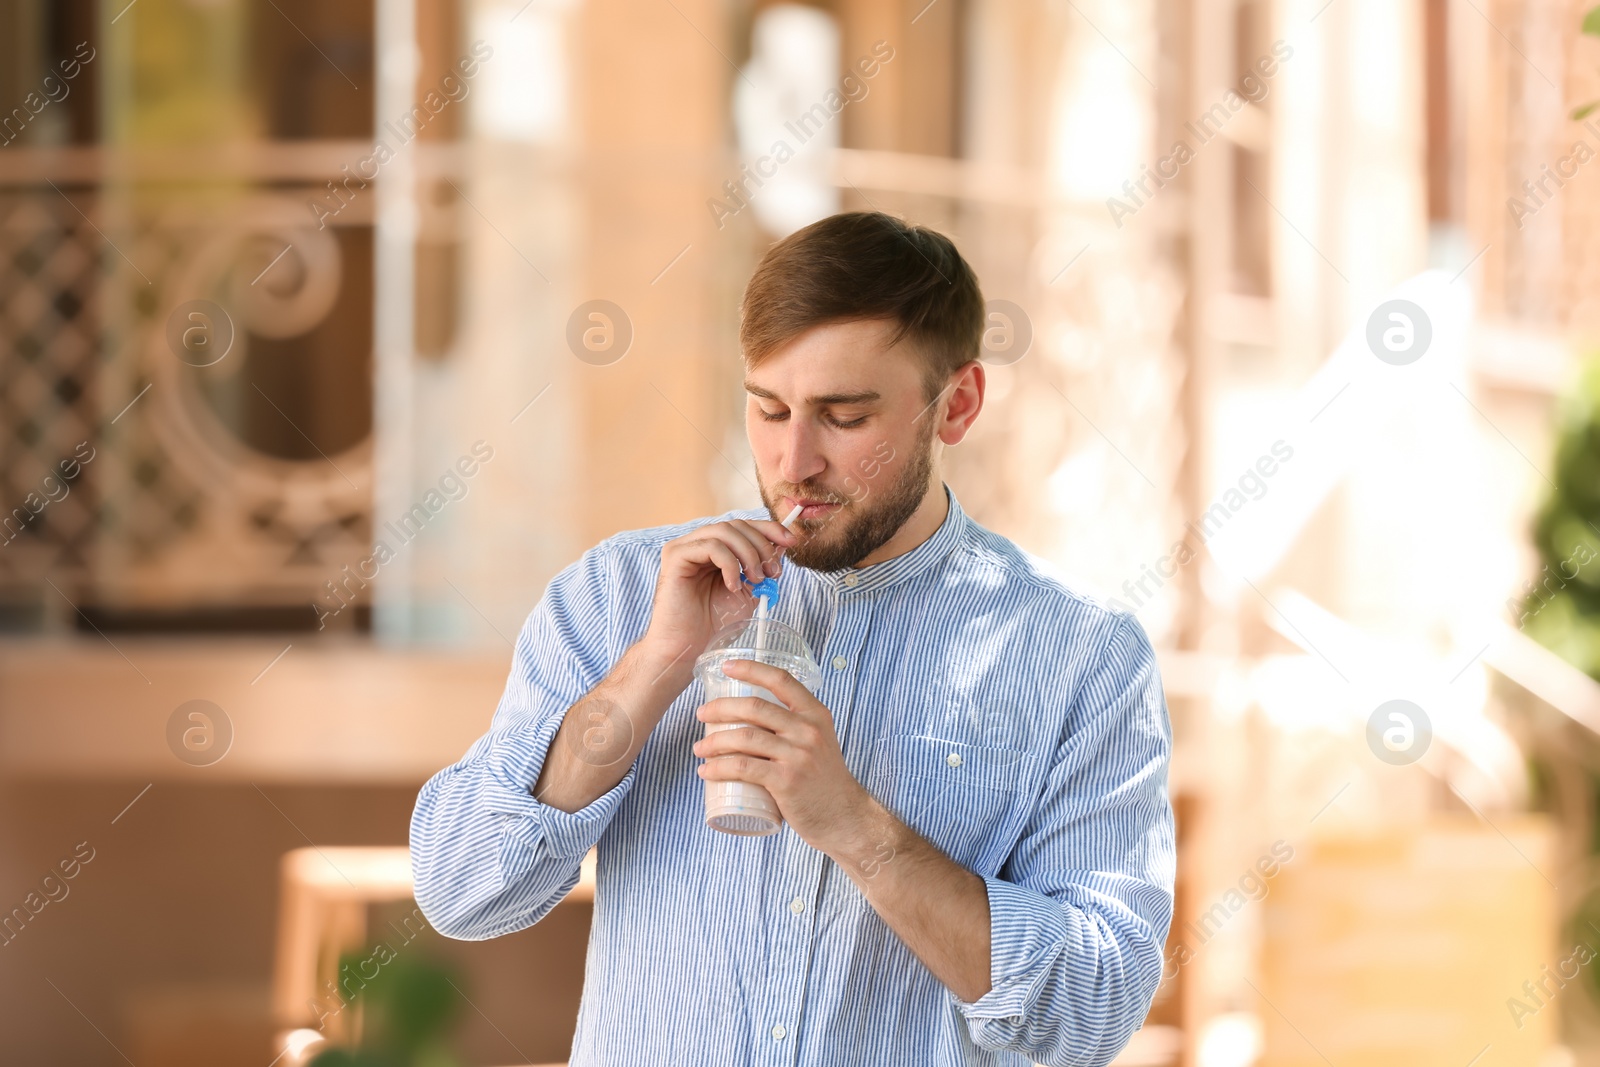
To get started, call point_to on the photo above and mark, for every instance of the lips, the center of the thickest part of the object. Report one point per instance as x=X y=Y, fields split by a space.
x=811 y=508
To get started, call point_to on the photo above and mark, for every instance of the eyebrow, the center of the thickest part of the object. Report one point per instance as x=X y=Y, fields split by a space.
x=864 y=397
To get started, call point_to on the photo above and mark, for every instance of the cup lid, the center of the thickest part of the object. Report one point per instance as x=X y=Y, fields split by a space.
x=781 y=644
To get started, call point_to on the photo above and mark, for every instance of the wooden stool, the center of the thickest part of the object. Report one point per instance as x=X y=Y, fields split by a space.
x=322 y=914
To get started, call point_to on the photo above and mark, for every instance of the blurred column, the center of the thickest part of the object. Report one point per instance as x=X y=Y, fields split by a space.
x=1351 y=182
x=395 y=224
x=916 y=95
x=1351 y=174
x=654 y=106
x=505 y=376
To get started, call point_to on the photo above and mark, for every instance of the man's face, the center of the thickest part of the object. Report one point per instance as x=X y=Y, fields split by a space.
x=840 y=423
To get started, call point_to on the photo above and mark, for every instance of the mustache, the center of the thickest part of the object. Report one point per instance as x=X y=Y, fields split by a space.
x=814 y=494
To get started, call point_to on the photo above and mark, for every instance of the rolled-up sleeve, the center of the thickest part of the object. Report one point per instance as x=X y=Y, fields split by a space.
x=1080 y=911
x=488 y=858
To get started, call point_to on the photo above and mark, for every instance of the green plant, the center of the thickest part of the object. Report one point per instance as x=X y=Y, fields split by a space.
x=1561 y=606
x=407 y=1010
x=1591 y=26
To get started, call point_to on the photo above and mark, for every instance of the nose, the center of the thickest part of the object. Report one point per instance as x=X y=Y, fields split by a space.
x=800 y=460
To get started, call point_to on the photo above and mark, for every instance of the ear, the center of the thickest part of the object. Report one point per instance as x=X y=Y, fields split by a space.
x=966 y=400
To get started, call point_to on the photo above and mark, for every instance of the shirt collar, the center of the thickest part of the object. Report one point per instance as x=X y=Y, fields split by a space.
x=857 y=581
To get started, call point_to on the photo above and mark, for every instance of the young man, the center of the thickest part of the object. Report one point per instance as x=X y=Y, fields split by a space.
x=977 y=859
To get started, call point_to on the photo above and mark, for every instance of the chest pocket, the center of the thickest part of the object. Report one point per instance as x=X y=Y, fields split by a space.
x=967 y=799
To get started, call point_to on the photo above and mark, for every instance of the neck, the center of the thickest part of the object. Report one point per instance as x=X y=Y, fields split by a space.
x=923 y=524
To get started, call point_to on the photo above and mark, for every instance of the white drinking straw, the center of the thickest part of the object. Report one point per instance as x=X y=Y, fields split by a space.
x=761 y=624
x=761 y=609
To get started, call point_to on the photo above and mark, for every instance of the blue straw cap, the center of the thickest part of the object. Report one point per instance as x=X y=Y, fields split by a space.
x=766 y=587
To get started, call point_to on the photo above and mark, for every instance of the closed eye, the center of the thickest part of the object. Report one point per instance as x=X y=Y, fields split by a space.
x=779 y=416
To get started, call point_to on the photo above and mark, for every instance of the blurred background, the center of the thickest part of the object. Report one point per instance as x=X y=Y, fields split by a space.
x=330 y=332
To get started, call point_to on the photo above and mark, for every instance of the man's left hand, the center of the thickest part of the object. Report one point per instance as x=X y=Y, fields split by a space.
x=793 y=753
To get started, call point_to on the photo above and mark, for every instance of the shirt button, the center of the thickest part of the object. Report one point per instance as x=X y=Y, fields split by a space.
x=778 y=1032
x=954 y=759
x=840 y=663
x=797 y=905
x=851 y=580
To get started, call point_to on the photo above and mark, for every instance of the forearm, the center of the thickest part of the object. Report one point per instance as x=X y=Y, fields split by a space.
x=938 y=909
x=1074 y=976
x=475 y=873
x=478 y=874
x=602 y=734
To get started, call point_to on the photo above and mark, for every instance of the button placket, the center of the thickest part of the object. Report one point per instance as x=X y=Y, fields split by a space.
x=795 y=935
x=802 y=866
x=846 y=641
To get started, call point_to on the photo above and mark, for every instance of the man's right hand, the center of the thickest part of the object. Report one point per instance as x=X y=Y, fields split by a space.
x=699 y=589
x=698 y=592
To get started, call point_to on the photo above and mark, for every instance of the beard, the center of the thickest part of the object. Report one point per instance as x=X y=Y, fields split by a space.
x=859 y=527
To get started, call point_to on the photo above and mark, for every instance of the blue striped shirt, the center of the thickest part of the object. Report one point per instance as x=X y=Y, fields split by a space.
x=715 y=950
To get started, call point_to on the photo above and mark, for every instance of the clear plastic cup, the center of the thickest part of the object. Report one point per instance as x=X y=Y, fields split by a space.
x=741 y=807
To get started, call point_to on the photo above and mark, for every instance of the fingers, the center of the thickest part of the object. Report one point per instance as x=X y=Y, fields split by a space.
x=748 y=754
x=748 y=741
x=752 y=710
x=767 y=561
x=719 y=555
x=804 y=723
x=755 y=552
x=738 y=768
x=775 y=680
x=773 y=531
x=730 y=548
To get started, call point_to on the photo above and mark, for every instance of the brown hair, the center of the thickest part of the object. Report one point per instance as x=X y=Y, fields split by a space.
x=867 y=265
